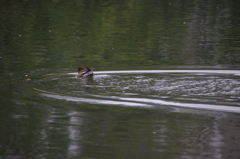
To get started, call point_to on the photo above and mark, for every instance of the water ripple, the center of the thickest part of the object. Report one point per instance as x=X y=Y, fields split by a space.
x=217 y=90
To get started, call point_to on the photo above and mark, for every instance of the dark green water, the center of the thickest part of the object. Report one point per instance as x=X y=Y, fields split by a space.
x=177 y=96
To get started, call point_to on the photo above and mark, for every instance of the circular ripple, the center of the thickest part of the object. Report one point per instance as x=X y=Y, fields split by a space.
x=196 y=89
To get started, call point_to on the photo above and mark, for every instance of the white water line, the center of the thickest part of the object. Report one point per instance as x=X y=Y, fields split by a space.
x=145 y=102
x=235 y=72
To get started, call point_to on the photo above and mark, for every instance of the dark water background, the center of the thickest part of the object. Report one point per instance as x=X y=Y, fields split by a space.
x=179 y=99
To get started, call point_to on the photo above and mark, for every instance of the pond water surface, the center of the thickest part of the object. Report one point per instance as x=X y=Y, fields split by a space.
x=166 y=84
x=122 y=114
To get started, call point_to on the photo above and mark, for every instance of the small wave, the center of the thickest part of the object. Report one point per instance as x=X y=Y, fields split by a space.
x=216 y=90
x=234 y=72
x=97 y=101
x=143 y=102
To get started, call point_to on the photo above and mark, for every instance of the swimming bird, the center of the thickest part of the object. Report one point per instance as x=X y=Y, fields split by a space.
x=85 y=72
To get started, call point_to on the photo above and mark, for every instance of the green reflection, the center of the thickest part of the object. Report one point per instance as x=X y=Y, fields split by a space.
x=65 y=34
x=37 y=35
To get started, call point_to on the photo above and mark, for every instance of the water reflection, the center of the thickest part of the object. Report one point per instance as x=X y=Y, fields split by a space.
x=147 y=33
x=122 y=114
x=48 y=113
x=74 y=132
x=126 y=129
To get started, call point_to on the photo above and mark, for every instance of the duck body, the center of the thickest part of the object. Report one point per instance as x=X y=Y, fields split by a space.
x=85 y=72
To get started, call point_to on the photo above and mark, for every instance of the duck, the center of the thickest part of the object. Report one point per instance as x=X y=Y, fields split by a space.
x=85 y=72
